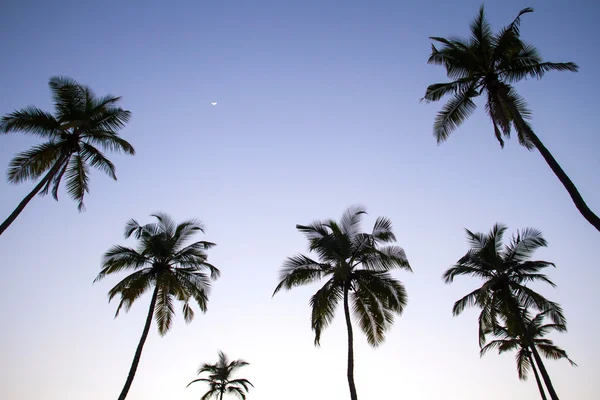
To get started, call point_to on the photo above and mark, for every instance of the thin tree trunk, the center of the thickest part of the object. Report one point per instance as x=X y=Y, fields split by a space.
x=221 y=397
x=30 y=196
x=543 y=371
x=537 y=378
x=138 y=352
x=353 y=395
x=521 y=321
x=552 y=163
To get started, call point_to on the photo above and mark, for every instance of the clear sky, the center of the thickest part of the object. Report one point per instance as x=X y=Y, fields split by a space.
x=318 y=109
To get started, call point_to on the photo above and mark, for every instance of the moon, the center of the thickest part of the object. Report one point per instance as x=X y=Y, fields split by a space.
x=214 y=103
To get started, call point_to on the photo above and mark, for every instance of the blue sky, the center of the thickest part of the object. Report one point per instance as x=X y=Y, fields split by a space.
x=318 y=109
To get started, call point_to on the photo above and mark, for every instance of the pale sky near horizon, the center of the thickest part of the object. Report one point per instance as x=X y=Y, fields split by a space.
x=318 y=109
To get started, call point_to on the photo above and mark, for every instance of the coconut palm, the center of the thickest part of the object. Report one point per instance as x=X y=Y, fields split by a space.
x=220 y=379
x=82 y=123
x=356 y=266
x=506 y=271
x=511 y=338
x=165 y=263
x=489 y=63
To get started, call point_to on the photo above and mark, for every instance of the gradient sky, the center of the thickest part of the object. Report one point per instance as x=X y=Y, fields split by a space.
x=318 y=109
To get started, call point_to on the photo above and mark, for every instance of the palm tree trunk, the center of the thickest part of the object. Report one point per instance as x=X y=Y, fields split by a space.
x=537 y=378
x=353 y=395
x=138 y=352
x=221 y=397
x=552 y=163
x=543 y=371
x=30 y=196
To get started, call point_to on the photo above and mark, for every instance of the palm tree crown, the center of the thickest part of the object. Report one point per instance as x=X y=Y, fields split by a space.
x=505 y=271
x=220 y=378
x=82 y=122
x=487 y=63
x=512 y=338
x=350 y=261
x=163 y=261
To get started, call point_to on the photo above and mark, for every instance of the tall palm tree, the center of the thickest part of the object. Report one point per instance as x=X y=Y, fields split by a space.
x=356 y=266
x=512 y=338
x=220 y=378
x=489 y=63
x=81 y=123
x=506 y=271
x=164 y=262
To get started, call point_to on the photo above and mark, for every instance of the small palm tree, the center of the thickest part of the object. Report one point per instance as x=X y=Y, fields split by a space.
x=506 y=271
x=220 y=378
x=163 y=261
x=489 y=63
x=356 y=266
x=82 y=122
x=511 y=338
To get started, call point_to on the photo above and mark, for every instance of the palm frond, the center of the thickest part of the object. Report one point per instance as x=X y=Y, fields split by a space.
x=436 y=91
x=350 y=222
x=382 y=231
x=300 y=270
x=108 y=141
x=468 y=300
x=97 y=160
x=77 y=176
x=323 y=304
x=164 y=310
x=131 y=288
x=31 y=120
x=377 y=296
x=33 y=163
x=119 y=258
x=454 y=113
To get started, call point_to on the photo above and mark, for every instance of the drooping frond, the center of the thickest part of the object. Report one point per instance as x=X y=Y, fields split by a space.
x=96 y=159
x=77 y=175
x=33 y=163
x=323 y=304
x=376 y=298
x=454 y=113
x=132 y=288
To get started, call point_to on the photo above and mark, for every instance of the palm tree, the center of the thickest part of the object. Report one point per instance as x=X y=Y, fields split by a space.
x=356 y=266
x=82 y=122
x=489 y=63
x=220 y=378
x=506 y=271
x=512 y=338
x=163 y=261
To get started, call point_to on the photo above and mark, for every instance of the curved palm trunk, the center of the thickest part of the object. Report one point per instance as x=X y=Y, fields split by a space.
x=353 y=395
x=553 y=164
x=537 y=378
x=138 y=352
x=11 y=218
